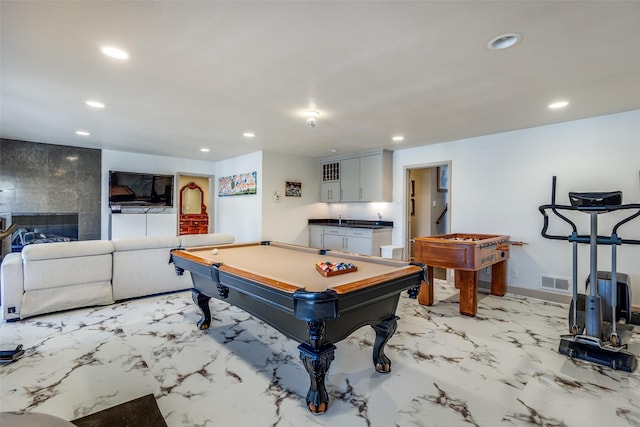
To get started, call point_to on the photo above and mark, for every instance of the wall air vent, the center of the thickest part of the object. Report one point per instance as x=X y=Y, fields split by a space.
x=553 y=283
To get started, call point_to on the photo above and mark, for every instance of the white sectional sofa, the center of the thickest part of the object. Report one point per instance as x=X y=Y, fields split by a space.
x=50 y=277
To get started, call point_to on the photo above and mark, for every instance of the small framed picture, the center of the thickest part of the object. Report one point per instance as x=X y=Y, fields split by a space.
x=443 y=178
x=293 y=189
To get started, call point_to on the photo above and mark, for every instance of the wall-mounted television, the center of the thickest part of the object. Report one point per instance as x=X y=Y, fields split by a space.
x=137 y=189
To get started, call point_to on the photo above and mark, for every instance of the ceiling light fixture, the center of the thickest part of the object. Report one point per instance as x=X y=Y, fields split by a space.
x=248 y=134
x=311 y=118
x=95 y=104
x=558 y=104
x=82 y=133
x=114 y=52
x=397 y=138
x=504 y=41
x=205 y=150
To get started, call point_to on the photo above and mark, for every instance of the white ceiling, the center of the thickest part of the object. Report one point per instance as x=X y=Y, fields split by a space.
x=203 y=72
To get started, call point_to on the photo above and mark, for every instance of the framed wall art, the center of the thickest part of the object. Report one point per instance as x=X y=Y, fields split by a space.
x=293 y=189
x=236 y=185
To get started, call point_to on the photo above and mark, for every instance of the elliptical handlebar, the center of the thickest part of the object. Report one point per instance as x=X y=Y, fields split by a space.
x=574 y=236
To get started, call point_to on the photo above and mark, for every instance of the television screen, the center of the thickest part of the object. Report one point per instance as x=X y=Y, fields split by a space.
x=133 y=189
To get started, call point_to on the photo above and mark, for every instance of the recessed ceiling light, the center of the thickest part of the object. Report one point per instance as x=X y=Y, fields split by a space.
x=248 y=134
x=205 y=150
x=95 y=104
x=332 y=150
x=82 y=133
x=504 y=41
x=558 y=104
x=114 y=52
x=398 y=138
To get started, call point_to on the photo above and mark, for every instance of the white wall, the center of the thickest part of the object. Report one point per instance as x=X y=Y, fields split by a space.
x=498 y=181
x=133 y=162
x=286 y=220
x=241 y=215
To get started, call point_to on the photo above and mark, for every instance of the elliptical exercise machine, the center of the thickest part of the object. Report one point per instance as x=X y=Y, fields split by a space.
x=594 y=332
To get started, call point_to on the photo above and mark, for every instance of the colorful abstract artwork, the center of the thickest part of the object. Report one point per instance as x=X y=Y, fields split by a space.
x=235 y=185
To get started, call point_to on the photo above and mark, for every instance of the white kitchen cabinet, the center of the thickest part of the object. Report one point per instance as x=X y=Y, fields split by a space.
x=350 y=180
x=125 y=225
x=316 y=234
x=364 y=241
x=330 y=192
x=362 y=178
x=359 y=241
x=375 y=177
x=334 y=238
x=330 y=182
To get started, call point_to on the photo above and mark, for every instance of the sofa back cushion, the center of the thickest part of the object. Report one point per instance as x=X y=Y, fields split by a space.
x=141 y=267
x=52 y=265
x=212 y=239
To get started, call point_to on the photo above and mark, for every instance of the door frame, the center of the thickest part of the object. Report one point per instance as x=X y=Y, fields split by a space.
x=408 y=197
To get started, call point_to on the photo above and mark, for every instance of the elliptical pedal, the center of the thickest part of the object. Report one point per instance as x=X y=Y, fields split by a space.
x=10 y=356
x=587 y=348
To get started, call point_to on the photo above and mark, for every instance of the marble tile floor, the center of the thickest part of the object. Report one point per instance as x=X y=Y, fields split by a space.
x=500 y=368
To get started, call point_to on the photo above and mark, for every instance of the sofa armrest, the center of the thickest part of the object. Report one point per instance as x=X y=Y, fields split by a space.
x=12 y=286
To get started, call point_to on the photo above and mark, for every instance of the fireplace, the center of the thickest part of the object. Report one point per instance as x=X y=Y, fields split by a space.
x=36 y=228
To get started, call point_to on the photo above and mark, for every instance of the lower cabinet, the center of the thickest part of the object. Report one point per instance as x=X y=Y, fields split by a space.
x=124 y=225
x=316 y=236
x=364 y=241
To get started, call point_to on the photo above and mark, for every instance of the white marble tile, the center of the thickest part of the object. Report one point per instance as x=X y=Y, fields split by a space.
x=499 y=368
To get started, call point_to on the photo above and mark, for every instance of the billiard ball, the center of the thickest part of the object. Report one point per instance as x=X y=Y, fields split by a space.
x=215 y=251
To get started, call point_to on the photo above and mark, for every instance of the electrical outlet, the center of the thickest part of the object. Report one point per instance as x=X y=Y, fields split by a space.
x=515 y=273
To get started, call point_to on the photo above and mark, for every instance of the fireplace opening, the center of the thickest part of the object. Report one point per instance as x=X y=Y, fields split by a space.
x=34 y=228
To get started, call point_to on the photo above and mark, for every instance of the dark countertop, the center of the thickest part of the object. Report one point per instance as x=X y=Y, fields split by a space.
x=352 y=223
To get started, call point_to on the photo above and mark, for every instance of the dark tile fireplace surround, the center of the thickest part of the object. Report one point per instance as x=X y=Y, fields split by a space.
x=54 y=188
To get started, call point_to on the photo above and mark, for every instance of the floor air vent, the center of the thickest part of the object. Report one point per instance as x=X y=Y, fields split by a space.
x=553 y=283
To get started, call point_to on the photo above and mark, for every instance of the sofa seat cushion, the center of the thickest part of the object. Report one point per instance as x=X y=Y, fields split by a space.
x=65 y=298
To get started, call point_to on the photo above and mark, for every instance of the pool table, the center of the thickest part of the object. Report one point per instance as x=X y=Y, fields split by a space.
x=280 y=284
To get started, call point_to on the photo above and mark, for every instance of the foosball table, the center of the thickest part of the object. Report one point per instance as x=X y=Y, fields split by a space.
x=465 y=253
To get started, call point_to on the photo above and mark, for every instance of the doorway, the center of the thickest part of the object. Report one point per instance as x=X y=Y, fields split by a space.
x=428 y=209
x=205 y=183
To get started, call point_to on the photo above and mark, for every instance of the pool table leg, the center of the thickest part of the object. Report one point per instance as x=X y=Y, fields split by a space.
x=202 y=301
x=384 y=332
x=317 y=362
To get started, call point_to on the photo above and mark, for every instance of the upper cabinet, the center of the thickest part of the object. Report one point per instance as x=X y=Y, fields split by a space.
x=363 y=178
x=330 y=182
